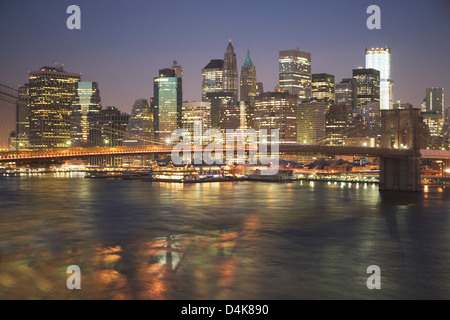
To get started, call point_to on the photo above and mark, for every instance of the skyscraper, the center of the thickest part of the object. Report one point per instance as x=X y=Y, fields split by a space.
x=323 y=88
x=193 y=113
x=434 y=100
x=311 y=119
x=276 y=110
x=86 y=102
x=248 y=88
x=212 y=78
x=346 y=92
x=380 y=59
x=230 y=71
x=295 y=72
x=167 y=101
x=337 y=124
x=368 y=86
x=140 y=124
x=51 y=91
x=22 y=137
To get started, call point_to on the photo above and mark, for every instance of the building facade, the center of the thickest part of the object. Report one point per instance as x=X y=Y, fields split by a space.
x=230 y=72
x=380 y=59
x=248 y=89
x=212 y=78
x=167 y=100
x=295 y=72
x=86 y=102
x=323 y=88
x=140 y=125
x=311 y=123
x=277 y=110
x=368 y=86
x=51 y=92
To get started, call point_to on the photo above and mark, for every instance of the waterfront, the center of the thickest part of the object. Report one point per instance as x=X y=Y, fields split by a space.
x=223 y=240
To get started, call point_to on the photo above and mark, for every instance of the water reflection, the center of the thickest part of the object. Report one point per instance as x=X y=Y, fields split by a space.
x=247 y=240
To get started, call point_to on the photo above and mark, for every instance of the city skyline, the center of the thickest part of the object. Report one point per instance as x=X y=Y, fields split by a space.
x=137 y=54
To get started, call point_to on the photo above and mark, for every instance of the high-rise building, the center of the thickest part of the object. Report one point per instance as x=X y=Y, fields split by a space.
x=337 y=124
x=212 y=78
x=222 y=103
x=371 y=117
x=86 y=102
x=346 y=92
x=380 y=59
x=22 y=137
x=230 y=71
x=194 y=113
x=248 y=88
x=140 y=125
x=368 y=86
x=108 y=129
x=51 y=91
x=311 y=122
x=434 y=100
x=276 y=110
x=259 y=88
x=323 y=88
x=167 y=91
x=295 y=72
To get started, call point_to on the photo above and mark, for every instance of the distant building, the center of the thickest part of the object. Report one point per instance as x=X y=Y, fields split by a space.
x=51 y=91
x=368 y=86
x=248 y=89
x=140 y=125
x=276 y=110
x=435 y=123
x=380 y=59
x=295 y=72
x=323 y=88
x=230 y=72
x=259 y=88
x=221 y=115
x=371 y=117
x=311 y=123
x=22 y=133
x=337 y=122
x=86 y=102
x=346 y=92
x=167 y=100
x=434 y=100
x=196 y=113
x=212 y=78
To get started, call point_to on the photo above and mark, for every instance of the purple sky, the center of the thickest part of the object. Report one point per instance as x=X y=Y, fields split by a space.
x=123 y=44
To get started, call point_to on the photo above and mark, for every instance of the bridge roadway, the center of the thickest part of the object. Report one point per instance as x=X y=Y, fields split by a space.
x=72 y=153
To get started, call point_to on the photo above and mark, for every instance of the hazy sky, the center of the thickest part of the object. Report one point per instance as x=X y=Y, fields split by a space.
x=123 y=44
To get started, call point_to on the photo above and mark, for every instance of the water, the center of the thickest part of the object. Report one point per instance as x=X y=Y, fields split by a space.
x=230 y=240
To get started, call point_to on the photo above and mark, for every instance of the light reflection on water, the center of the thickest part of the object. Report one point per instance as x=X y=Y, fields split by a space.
x=233 y=240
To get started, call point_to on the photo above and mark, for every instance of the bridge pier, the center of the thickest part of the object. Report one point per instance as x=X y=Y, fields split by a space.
x=400 y=173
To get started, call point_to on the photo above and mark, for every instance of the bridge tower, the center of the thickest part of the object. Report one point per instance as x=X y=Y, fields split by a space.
x=401 y=129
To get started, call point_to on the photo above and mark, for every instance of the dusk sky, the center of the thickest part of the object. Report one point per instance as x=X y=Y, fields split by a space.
x=123 y=44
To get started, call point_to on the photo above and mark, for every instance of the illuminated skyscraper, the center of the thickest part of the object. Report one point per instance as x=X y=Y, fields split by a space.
x=346 y=92
x=86 y=102
x=368 y=86
x=323 y=88
x=295 y=72
x=230 y=71
x=276 y=110
x=434 y=100
x=311 y=122
x=380 y=59
x=167 y=101
x=22 y=137
x=51 y=91
x=212 y=78
x=140 y=125
x=248 y=88
x=196 y=112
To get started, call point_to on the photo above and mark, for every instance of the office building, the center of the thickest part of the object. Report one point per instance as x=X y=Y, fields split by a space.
x=22 y=134
x=380 y=59
x=196 y=113
x=368 y=86
x=140 y=125
x=311 y=123
x=434 y=100
x=346 y=92
x=323 y=88
x=248 y=89
x=212 y=78
x=337 y=121
x=86 y=102
x=51 y=91
x=276 y=110
x=167 y=100
x=230 y=72
x=295 y=72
